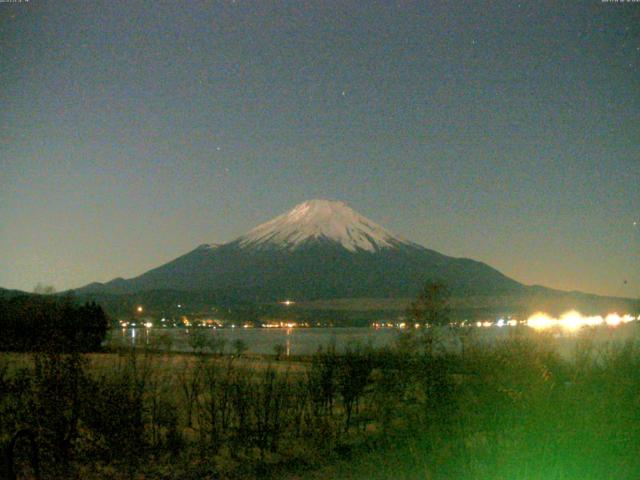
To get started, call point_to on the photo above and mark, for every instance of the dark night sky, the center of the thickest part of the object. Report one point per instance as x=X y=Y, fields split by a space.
x=507 y=132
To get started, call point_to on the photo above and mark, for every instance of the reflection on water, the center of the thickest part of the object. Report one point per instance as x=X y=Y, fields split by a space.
x=129 y=335
x=288 y=343
x=306 y=341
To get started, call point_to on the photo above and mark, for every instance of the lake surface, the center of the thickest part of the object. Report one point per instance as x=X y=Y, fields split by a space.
x=294 y=341
x=306 y=341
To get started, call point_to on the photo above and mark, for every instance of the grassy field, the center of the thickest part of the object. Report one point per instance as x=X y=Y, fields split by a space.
x=514 y=410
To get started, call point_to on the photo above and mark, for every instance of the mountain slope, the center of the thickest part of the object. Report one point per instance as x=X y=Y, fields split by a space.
x=319 y=249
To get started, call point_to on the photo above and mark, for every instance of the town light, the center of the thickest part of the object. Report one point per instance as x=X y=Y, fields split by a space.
x=574 y=320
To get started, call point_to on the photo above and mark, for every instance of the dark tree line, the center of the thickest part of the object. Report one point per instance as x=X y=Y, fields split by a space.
x=45 y=323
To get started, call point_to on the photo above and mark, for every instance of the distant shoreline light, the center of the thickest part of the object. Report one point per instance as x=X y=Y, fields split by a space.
x=574 y=320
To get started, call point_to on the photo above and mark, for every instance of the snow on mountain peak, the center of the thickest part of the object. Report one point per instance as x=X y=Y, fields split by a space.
x=321 y=219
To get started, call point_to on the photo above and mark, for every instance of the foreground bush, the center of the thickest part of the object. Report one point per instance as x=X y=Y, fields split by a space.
x=511 y=410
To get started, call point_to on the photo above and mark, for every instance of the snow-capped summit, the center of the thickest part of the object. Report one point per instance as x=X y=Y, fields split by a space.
x=319 y=250
x=321 y=220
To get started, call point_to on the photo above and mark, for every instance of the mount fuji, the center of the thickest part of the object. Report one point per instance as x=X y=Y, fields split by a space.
x=319 y=250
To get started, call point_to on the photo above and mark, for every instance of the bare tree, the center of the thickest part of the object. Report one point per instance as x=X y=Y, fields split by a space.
x=431 y=307
x=190 y=378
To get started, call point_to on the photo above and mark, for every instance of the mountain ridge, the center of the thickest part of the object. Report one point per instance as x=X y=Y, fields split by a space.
x=319 y=249
x=323 y=251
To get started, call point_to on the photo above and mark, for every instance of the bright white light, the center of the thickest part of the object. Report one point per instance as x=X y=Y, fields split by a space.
x=148 y=324
x=540 y=321
x=593 y=321
x=574 y=320
x=613 y=319
x=571 y=320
